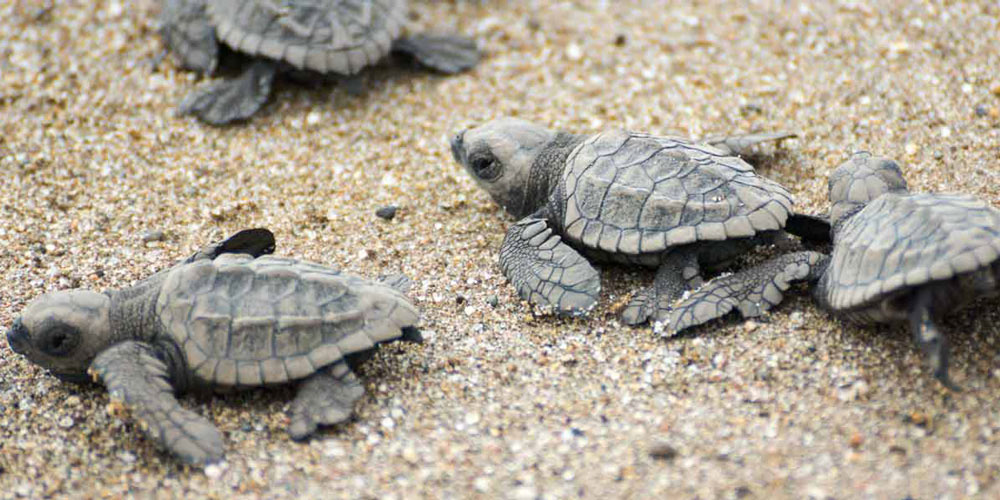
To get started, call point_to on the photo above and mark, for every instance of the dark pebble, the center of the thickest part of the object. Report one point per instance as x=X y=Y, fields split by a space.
x=621 y=40
x=663 y=451
x=387 y=213
x=492 y=300
x=460 y=299
x=982 y=110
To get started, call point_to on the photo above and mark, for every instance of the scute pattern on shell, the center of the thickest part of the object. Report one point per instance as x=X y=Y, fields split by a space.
x=909 y=240
x=338 y=36
x=244 y=321
x=636 y=194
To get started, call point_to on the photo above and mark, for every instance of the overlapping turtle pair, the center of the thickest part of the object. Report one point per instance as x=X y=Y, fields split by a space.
x=680 y=206
x=897 y=256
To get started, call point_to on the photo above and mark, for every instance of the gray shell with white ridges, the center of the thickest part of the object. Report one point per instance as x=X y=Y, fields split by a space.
x=241 y=321
x=328 y=36
x=897 y=242
x=634 y=193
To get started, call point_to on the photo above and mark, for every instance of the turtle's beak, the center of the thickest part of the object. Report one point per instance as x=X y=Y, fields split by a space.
x=17 y=337
x=458 y=147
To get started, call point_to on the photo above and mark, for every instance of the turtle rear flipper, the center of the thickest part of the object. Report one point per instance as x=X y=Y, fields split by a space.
x=737 y=145
x=679 y=272
x=254 y=242
x=447 y=54
x=226 y=101
x=325 y=398
x=547 y=272
x=189 y=34
x=753 y=291
x=134 y=374
x=929 y=338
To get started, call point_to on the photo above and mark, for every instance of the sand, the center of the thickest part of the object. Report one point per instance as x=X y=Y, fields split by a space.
x=500 y=403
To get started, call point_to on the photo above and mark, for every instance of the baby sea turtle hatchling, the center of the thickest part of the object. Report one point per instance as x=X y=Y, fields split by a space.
x=228 y=317
x=312 y=37
x=625 y=197
x=896 y=256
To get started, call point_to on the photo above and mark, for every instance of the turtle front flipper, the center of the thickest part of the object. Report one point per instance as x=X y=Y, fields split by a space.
x=929 y=338
x=753 y=291
x=736 y=145
x=134 y=374
x=678 y=273
x=186 y=30
x=547 y=272
x=325 y=398
x=226 y=101
x=254 y=242
x=448 y=54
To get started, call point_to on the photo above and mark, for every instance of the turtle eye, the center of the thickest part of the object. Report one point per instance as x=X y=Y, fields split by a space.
x=486 y=167
x=59 y=340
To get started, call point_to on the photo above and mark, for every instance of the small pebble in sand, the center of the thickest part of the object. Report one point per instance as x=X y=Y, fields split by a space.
x=481 y=484
x=574 y=52
x=856 y=440
x=663 y=451
x=387 y=212
x=213 y=471
x=153 y=235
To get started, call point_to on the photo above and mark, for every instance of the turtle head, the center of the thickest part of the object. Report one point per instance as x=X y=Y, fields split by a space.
x=861 y=179
x=500 y=155
x=63 y=332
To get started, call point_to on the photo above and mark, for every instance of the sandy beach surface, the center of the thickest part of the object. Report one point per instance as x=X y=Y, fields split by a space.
x=101 y=185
